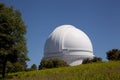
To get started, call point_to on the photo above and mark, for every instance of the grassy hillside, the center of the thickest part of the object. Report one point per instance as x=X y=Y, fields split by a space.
x=94 y=71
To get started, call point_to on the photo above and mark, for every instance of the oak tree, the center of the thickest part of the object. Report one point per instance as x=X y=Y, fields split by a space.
x=12 y=37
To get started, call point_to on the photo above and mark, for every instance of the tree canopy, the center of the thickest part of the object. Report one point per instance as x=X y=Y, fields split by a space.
x=113 y=54
x=12 y=37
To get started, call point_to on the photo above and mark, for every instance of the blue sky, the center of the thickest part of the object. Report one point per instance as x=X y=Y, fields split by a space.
x=99 y=19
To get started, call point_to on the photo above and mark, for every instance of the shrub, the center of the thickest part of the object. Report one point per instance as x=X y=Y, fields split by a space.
x=85 y=61
x=33 y=67
x=113 y=54
x=95 y=59
x=52 y=63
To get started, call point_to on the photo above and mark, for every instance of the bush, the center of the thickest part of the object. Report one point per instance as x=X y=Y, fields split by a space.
x=95 y=59
x=113 y=54
x=52 y=63
x=85 y=61
x=33 y=67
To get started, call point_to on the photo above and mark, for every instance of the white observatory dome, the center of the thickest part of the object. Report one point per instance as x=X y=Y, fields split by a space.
x=68 y=43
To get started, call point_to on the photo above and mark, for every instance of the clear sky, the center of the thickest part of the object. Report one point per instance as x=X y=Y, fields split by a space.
x=99 y=19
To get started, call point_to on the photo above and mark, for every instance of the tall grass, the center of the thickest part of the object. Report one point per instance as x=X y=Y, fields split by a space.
x=94 y=71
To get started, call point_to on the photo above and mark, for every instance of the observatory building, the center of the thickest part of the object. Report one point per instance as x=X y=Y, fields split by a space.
x=68 y=43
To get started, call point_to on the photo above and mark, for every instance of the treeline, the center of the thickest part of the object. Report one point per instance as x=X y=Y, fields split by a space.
x=113 y=55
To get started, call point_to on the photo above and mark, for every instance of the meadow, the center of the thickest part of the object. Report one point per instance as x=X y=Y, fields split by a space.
x=93 y=71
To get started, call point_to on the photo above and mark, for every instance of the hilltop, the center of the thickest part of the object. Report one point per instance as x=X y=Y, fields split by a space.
x=92 y=71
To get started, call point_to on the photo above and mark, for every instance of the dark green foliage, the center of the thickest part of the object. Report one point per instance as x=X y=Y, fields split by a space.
x=52 y=63
x=33 y=67
x=85 y=61
x=12 y=39
x=95 y=59
x=113 y=54
x=14 y=67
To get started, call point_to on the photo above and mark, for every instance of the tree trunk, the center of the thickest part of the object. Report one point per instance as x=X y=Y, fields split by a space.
x=4 y=67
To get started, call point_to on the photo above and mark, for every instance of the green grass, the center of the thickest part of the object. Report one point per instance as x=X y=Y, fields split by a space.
x=94 y=71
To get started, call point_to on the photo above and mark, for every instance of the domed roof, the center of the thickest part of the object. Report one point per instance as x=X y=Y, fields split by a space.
x=65 y=39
